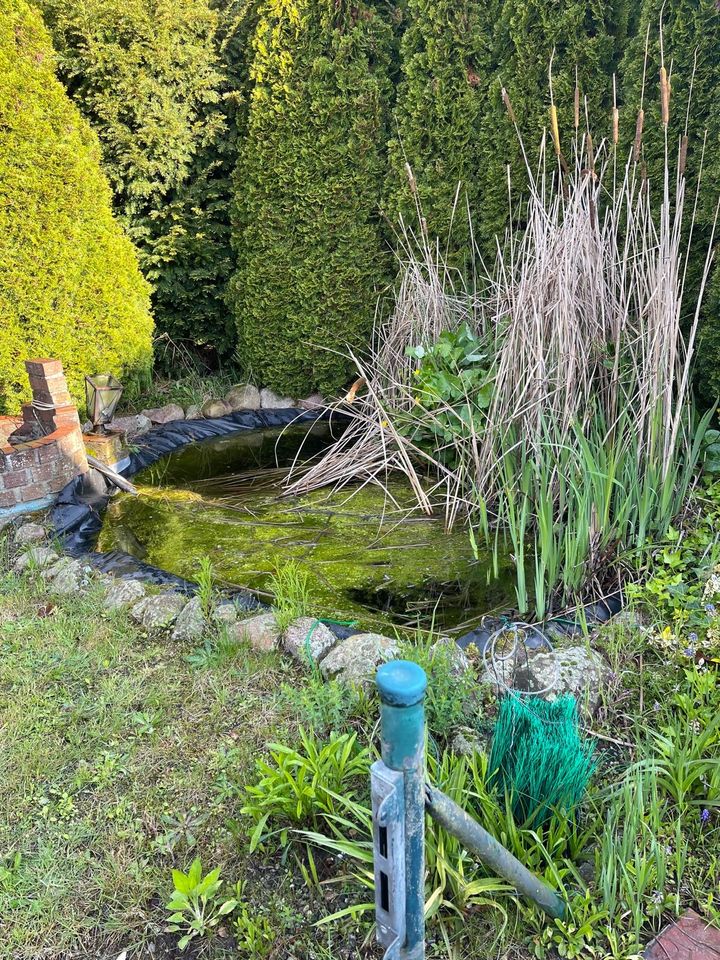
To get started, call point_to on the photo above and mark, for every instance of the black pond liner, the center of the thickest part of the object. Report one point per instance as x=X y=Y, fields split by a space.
x=77 y=518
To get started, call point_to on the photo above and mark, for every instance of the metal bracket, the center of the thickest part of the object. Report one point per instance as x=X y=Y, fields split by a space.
x=388 y=808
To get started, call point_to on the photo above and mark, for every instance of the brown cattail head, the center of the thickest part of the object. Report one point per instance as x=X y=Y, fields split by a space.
x=682 y=162
x=637 y=144
x=615 y=125
x=576 y=116
x=590 y=154
x=554 y=129
x=664 y=96
x=508 y=106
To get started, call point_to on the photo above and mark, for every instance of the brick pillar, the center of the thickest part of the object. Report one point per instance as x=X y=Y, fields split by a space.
x=49 y=389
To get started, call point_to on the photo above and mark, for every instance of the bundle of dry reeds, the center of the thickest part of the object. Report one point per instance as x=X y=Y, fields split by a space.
x=581 y=313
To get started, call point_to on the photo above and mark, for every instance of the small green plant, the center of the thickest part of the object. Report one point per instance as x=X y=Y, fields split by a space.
x=206 y=586
x=453 y=381
x=196 y=905
x=452 y=687
x=322 y=705
x=254 y=934
x=302 y=787
x=289 y=587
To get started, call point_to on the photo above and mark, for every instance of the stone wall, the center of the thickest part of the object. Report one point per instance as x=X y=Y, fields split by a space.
x=47 y=448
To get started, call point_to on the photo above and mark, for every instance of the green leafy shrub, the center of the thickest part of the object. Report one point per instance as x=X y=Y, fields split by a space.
x=196 y=906
x=70 y=287
x=147 y=74
x=307 y=191
x=452 y=690
x=453 y=380
x=302 y=787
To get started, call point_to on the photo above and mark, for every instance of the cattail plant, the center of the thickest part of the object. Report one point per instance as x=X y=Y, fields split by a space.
x=589 y=442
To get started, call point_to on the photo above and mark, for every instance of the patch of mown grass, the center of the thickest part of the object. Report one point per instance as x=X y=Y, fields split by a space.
x=121 y=761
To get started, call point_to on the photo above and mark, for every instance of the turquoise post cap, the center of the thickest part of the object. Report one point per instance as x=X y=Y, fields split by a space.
x=401 y=683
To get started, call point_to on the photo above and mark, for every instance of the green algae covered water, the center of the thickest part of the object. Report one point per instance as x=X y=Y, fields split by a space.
x=368 y=554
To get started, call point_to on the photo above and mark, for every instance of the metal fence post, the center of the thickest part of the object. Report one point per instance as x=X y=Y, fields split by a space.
x=402 y=686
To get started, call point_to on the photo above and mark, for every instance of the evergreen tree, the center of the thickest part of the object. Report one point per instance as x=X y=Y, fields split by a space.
x=308 y=186
x=690 y=33
x=446 y=59
x=148 y=76
x=70 y=286
x=584 y=39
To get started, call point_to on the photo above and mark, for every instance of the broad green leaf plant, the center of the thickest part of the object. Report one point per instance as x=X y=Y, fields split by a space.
x=197 y=906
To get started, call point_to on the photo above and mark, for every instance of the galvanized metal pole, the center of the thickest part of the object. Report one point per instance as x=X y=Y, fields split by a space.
x=402 y=686
x=469 y=832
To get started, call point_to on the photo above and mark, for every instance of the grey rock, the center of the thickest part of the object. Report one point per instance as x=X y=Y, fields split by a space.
x=191 y=622
x=6 y=523
x=261 y=632
x=30 y=533
x=122 y=593
x=466 y=743
x=225 y=612
x=193 y=412
x=69 y=578
x=158 y=612
x=35 y=558
x=131 y=426
x=244 y=396
x=315 y=401
x=215 y=408
x=271 y=401
x=166 y=414
x=354 y=660
x=578 y=670
x=295 y=640
x=445 y=647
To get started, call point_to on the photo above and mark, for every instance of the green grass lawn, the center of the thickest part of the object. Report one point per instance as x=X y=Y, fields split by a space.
x=120 y=761
x=125 y=756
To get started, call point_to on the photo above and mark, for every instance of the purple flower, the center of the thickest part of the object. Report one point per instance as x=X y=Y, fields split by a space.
x=710 y=608
x=689 y=651
x=692 y=637
x=705 y=817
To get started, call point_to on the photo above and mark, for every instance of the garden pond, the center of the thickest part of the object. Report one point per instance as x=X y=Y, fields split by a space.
x=368 y=554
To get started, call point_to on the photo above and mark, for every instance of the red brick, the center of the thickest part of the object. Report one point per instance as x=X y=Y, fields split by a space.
x=16 y=478
x=57 y=397
x=689 y=938
x=43 y=367
x=36 y=491
x=7 y=499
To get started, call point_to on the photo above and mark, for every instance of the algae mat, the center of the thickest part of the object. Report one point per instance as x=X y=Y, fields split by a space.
x=369 y=557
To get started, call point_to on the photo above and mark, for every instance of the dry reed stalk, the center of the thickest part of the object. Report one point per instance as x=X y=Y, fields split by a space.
x=581 y=315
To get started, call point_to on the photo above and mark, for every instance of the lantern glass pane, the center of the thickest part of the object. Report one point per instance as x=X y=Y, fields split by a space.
x=103 y=394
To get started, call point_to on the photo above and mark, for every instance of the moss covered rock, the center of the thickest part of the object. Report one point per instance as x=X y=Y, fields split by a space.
x=70 y=286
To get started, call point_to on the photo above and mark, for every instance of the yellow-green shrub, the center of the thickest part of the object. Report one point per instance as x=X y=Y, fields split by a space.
x=70 y=286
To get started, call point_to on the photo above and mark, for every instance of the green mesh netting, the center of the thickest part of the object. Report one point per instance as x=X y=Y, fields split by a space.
x=538 y=756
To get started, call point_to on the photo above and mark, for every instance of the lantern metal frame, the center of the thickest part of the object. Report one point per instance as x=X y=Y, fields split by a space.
x=102 y=393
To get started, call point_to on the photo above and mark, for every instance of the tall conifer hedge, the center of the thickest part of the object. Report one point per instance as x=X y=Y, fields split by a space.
x=691 y=39
x=308 y=186
x=70 y=286
x=148 y=76
x=446 y=57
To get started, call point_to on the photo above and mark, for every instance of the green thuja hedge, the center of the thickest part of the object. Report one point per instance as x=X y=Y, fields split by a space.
x=70 y=286
x=584 y=38
x=149 y=76
x=691 y=35
x=311 y=257
x=446 y=66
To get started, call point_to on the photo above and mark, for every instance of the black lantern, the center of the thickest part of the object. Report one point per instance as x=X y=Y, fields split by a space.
x=103 y=394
